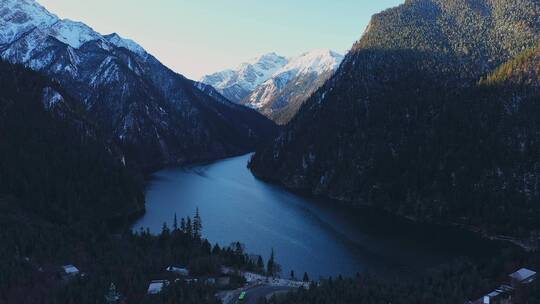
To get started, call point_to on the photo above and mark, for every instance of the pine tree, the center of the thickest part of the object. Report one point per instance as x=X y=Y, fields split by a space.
x=189 y=227
x=183 y=225
x=306 y=277
x=238 y=248
x=175 y=222
x=217 y=250
x=165 y=232
x=260 y=263
x=270 y=265
x=292 y=275
x=197 y=224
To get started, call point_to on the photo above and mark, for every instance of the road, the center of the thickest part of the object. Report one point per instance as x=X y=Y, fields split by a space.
x=257 y=292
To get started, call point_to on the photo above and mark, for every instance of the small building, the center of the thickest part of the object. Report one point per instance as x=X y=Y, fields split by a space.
x=156 y=286
x=69 y=272
x=501 y=295
x=522 y=276
x=498 y=297
x=505 y=292
x=181 y=271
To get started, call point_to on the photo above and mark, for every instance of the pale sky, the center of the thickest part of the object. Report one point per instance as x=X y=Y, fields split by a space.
x=198 y=37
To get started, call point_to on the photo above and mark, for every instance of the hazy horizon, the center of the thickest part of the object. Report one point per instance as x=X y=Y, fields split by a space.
x=196 y=38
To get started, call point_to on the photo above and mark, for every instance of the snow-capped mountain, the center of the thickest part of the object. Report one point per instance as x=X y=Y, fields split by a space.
x=274 y=85
x=20 y=17
x=156 y=115
x=282 y=95
x=237 y=83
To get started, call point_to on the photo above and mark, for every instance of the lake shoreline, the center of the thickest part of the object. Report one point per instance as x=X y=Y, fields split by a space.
x=524 y=244
x=307 y=231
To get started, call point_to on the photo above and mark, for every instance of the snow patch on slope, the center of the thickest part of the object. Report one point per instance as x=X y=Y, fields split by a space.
x=17 y=17
x=20 y=18
x=316 y=62
x=51 y=98
x=73 y=33
x=247 y=76
x=129 y=44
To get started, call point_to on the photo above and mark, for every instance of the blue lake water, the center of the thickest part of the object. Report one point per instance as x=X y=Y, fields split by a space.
x=316 y=236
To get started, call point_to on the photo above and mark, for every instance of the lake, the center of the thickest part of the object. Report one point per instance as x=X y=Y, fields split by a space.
x=321 y=237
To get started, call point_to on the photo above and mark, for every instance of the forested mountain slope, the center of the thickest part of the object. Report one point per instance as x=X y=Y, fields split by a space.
x=522 y=71
x=404 y=125
x=58 y=178
x=66 y=197
x=52 y=160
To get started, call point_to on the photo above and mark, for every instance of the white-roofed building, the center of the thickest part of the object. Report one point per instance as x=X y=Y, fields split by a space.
x=157 y=286
x=523 y=276
x=505 y=293
x=181 y=271
x=69 y=272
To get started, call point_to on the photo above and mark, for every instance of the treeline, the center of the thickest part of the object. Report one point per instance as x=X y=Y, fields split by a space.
x=66 y=197
x=457 y=282
x=130 y=261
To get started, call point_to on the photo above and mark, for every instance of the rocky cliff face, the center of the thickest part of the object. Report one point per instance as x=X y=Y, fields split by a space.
x=404 y=125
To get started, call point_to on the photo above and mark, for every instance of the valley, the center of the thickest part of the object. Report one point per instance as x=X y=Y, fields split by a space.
x=405 y=171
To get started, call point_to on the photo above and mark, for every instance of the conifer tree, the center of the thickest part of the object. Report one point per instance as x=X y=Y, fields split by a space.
x=260 y=263
x=217 y=250
x=175 y=222
x=183 y=225
x=197 y=224
x=165 y=232
x=270 y=265
x=189 y=227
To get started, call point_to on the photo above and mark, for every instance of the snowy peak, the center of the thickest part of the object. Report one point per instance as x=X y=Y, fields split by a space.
x=73 y=33
x=18 y=17
x=271 y=83
x=237 y=83
x=264 y=65
x=129 y=44
x=317 y=61
x=281 y=96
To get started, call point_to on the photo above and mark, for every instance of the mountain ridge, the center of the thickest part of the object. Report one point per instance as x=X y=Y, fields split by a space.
x=280 y=88
x=238 y=82
x=154 y=114
x=282 y=95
